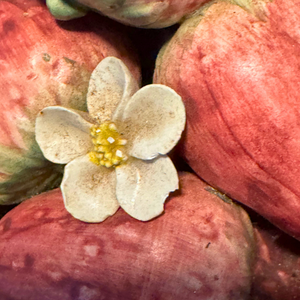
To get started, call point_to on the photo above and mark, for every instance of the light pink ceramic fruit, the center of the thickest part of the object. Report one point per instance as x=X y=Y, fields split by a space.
x=239 y=76
x=138 y=13
x=201 y=248
x=42 y=63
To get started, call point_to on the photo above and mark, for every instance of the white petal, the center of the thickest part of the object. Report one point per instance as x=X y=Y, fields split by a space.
x=89 y=191
x=153 y=121
x=111 y=84
x=143 y=186
x=62 y=134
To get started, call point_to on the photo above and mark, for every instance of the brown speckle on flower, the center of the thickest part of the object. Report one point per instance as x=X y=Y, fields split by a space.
x=46 y=57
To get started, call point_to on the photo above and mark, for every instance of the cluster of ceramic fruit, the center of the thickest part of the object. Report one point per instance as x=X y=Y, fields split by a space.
x=236 y=67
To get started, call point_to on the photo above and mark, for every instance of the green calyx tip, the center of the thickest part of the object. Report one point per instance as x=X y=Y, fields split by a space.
x=64 y=10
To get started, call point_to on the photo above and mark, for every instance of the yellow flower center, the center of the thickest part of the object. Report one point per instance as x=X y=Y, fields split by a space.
x=108 y=145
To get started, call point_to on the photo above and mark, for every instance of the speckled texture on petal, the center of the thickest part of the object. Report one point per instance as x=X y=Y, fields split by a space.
x=143 y=186
x=111 y=84
x=62 y=134
x=154 y=119
x=89 y=190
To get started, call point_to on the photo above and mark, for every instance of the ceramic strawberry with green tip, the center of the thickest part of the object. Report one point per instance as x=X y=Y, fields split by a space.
x=42 y=64
x=138 y=13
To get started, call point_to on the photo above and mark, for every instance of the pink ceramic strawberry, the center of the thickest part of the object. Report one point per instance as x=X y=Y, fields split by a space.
x=43 y=63
x=239 y=76
x=201 y=248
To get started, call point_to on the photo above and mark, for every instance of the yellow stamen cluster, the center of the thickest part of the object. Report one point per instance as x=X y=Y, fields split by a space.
x=108 y=145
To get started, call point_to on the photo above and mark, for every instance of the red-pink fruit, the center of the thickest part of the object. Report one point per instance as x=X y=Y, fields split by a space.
x=139 y=13
x=239 y=76
x=277 y=269
x=201 y=248
x=43 y=63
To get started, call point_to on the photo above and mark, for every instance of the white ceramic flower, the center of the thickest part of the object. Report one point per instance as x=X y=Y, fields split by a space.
x=115 y=154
